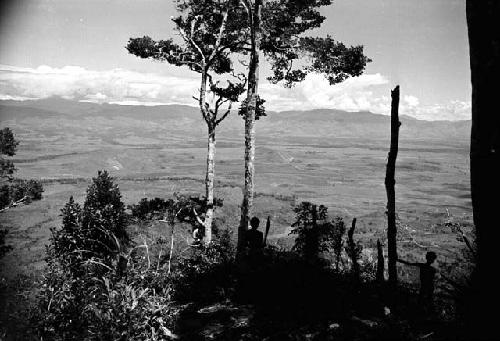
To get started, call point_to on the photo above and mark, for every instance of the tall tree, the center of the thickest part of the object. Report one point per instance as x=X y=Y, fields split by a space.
x=483 y=18
x=210 y=32
x=276 y=30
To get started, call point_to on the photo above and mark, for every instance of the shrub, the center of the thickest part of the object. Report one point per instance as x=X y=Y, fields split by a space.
x=7 y=168
x=68 y=243
x=14 y=189
x=316 y=234
x=8 y=144
x=204 y=275
x=3 y=248
x=102 y=308
x=103 y=219
x=86 y=295
x=17 y=190
x=95 y=234
x=4 y=196
x=182 y=204
x=148 y=209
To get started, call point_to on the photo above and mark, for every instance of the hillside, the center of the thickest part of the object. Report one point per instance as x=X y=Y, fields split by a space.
x=186 y=120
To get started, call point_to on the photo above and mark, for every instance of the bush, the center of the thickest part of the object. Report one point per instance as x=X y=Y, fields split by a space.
x=67 y=245
x=316 y=234
x=3 y=248
x=102 y=308
x=87 y=294
x=148 y=209
x=182 y=204
x=17 y=189
x=103 y=216
x=95 y=234
x=205 y=275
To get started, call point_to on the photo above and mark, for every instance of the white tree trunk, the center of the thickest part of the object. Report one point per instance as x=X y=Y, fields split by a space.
x=209 y=183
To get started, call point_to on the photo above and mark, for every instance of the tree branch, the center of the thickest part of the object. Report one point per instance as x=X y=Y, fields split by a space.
x=198 y=219
x=14 y=203
x=190 y=40
x=228 y=111
x=219 y=36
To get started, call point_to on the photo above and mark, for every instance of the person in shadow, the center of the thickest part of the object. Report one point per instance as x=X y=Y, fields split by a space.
x=427 y=275
x=251 y=263
x=254 y=237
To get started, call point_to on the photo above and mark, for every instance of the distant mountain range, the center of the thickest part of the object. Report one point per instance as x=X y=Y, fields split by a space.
x=320 y=123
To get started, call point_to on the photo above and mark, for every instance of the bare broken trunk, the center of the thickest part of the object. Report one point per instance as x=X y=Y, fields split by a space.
x=390 y=183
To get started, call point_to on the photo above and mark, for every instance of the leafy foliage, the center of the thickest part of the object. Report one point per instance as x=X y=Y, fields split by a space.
x=8 y=146
x=293 y=56
x=67 y=243
x=3 y=247
x=205 y=275
x=210 y=33
x=260 y=110
x=7 y=168
x=103 y=217
x=315 y=234
x=102 y=308
x=181 y=206
x=8 y=143
x=13 y=190
x=147 y=209
x=92 y=235
x=20 y=190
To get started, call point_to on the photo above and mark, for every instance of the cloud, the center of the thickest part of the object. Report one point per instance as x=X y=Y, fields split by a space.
x=453 y=111
x=361 y=93
x=411 y=101
x=74 y=82
x=354 y=94
x=125 y=87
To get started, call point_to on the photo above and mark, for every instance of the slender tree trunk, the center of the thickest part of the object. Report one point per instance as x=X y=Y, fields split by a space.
x=171 y=248
x=253 y=85
x=209 y=183
x=389 y=187
x=210 y=174
x=483 y=18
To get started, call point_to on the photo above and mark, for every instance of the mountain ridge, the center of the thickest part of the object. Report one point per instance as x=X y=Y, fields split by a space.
x=316 y=123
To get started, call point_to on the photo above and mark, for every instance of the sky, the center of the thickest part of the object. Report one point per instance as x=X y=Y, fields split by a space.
x=75 y=49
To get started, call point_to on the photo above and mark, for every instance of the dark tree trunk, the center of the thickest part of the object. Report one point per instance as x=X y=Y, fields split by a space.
x=253 y=86
x=268 y=227
x=313 y=241
x=380 y=263
x=352 y=251
x=389 y=187
x=483 y=21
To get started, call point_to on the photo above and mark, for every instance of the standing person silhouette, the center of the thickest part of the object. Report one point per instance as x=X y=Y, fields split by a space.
x=427 y=274
x=254 y=237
